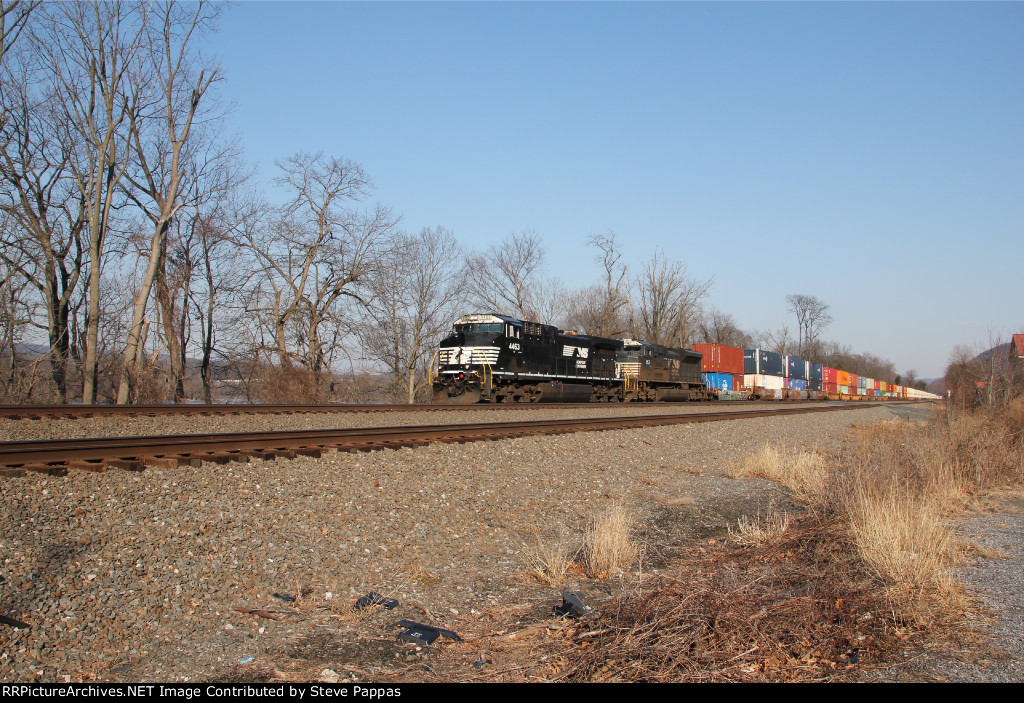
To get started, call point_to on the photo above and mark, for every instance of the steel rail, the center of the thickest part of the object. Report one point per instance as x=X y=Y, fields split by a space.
x=133 y=452
x=35 y=412
x=18 y=412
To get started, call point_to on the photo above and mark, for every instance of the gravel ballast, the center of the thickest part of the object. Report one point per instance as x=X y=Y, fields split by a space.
x=145 y=576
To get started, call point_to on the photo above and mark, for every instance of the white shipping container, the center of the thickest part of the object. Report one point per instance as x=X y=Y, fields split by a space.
x=758 y=380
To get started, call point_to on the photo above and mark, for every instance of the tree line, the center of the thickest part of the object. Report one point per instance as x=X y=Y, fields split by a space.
x=139 y=262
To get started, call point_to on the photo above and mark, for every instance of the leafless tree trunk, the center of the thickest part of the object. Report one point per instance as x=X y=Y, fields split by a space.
x=44 y=240
x=602 y=309
x=503 y=279
x=415 y=297
x=777 y=340
x=91 y=52
x=315 y=254
x=217 y=265
x=15 y=316
x=160 y=133
x=612 y=321
x=669 y=302
x=812 y=316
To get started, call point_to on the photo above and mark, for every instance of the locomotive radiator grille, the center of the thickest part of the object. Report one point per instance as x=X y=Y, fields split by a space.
x=468 y=355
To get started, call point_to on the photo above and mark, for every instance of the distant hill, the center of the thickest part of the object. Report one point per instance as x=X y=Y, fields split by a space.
x=1000 y=352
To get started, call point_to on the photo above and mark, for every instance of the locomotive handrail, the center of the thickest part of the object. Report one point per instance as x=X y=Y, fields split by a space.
x=434 y=369
x=487 y=381
x=630 y=381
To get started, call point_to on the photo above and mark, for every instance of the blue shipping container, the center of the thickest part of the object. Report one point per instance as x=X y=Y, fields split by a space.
x=721 y=381
x=797 y=384
x=815 y=373
x=766 y=363
x=796 y=368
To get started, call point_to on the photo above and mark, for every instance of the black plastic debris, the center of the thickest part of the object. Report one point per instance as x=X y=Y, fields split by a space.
x=13 y=623
x=851 y=657
x=284 y=596
x=374 y=598
x=573 y=606
x=418 y=633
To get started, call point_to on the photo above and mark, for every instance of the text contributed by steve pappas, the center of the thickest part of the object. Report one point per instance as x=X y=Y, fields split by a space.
x=291 y=691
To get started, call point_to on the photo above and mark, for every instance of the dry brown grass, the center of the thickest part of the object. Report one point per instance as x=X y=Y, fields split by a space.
x=803 y=472
x=550 y=560
x=896 y=485
x=906 y=543
x=758 y=530
x=608 y=545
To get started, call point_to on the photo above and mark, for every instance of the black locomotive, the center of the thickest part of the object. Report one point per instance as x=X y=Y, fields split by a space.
x=493 y=358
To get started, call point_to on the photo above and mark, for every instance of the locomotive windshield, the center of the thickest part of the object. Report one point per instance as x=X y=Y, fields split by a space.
x=481 y=328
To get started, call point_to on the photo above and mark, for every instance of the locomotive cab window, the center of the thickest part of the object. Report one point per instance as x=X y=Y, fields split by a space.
x=481 y=328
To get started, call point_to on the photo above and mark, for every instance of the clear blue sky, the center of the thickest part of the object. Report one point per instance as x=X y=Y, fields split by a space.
x=871 y=154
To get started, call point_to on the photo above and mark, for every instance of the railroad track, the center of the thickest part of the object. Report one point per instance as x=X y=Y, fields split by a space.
x=38 y=412
x=58 y=456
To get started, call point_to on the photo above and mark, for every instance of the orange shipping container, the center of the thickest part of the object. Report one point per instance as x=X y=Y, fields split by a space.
x=718 y=358
x=843 y=378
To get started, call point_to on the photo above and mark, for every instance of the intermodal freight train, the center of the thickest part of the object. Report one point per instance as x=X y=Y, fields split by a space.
x=493 y=358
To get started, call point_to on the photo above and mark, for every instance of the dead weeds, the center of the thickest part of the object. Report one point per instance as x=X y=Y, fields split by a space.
x=799 y=606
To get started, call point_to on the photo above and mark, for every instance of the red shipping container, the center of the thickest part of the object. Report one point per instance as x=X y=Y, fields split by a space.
x=718 y=358
x=877 y=386
x=829 y=375
x=853 y=380
x=737 y=382
x=832 y=388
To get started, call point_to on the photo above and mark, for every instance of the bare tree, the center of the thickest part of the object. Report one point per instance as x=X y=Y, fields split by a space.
x=14 y=15
x=504 y=278
x=717 y=327
x=161 y=133
x=218 y=268
x=316 y=253
x=863 y=364
x=15 y=317
x=603 y=309
x=43 y=239
x=962 y=376
x=91 y=52
x=186 y=268
x=669 y=302
x=812 y=316
x=777 y=340
x=910 y=378
x=416 y=294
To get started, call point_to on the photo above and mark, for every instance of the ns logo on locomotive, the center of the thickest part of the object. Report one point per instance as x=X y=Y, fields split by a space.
x=493 y=358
